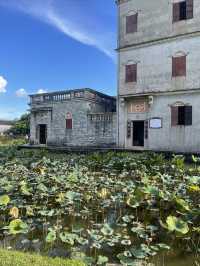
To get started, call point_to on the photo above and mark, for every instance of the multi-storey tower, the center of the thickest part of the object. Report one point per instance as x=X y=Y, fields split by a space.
x=159 y=74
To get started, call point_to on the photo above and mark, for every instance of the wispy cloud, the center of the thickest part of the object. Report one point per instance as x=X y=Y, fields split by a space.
x=21 y=93
x=3 y=84
x=63 y=15
x=40 y=91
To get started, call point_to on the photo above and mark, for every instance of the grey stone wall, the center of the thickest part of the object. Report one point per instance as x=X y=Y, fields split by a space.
x=84 y=132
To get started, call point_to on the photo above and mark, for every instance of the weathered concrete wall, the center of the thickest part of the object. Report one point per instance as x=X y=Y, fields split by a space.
x=152 y=47
x=154 y=21
x=167 y=138
x=154 y=67
x=84 y=132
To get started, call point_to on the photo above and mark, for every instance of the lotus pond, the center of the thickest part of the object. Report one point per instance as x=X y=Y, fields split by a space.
x=113 y=207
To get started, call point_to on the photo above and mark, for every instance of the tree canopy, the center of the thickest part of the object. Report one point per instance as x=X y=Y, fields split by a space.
x=21 y=126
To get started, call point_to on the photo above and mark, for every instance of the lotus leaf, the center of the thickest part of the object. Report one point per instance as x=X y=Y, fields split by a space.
x=4 y=200
x=102 y=260
x=68 y=238
x=17 y=226
x=51 y=236
x=176 y=224
x=183 y=204
x=107 y=230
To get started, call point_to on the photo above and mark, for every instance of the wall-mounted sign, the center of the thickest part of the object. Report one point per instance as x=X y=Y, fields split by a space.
x=137 y=107
x=155 y=122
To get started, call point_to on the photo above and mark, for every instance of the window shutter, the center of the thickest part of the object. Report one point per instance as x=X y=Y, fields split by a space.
x=69 y=123
x=146 y=125
x=131 y=73
x=189 y=9
x=174 y=115
x=176 y=12
x=131 y=23
x=128 y=129
x=173 y=67
x=188 y=115
x=179 y=66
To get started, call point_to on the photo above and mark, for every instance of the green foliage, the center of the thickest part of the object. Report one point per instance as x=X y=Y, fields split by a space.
x=17 y=226
x=134 y=205
x=22 y=126
x=14 y=258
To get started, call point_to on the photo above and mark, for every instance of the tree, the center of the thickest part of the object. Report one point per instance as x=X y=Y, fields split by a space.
x=21 y=126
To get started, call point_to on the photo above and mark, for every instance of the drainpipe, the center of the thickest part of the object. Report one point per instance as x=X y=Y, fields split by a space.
x=118 y=69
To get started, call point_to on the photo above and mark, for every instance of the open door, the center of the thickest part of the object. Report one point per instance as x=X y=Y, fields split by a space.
x=43 y=133
x=138 y=133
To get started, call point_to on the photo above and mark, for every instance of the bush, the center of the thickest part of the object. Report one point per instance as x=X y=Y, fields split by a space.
x=15 y=258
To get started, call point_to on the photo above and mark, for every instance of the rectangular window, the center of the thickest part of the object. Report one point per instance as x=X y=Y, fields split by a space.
x=68 y=123
x=179 y=66
x=181 y=115
x=183 y=10
x=131 y=73
x=131 y=23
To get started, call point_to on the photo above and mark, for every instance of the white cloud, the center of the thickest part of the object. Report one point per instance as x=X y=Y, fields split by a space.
x=21 y=93
x=40 y=91
x=3 y=84
x=71 y=18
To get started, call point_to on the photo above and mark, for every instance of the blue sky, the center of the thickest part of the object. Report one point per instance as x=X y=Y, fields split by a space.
x=49 y=45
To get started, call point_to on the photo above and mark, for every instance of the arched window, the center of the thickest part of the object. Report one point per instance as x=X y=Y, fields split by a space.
x=69 y=121
x=179 y=64
x=181 y=114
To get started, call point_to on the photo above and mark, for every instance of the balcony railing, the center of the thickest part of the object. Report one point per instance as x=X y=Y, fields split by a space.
x=68 y=95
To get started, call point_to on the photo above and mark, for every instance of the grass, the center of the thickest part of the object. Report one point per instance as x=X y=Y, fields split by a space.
x=10 y=141
x=15 y=258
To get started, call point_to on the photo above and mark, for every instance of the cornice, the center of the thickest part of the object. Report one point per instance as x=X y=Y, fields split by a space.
x=153 y=93
x=158 y=41
x=119 y=2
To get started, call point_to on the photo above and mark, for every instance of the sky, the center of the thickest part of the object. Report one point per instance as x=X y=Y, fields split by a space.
x=50 y=45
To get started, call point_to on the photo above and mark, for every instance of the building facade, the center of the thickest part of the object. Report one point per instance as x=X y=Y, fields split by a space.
x=159 y=75
x=73 y=118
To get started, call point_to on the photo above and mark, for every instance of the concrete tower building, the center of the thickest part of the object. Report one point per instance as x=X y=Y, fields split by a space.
x=159 y=75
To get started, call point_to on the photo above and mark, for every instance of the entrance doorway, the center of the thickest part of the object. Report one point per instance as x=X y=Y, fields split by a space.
x=43 y=133
x=138 y=133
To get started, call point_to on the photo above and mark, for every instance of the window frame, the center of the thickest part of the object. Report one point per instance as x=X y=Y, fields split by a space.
x=180 y=14
x=181 y=115
x=131 y=23
x=179 y=66
x=69 y=121
x=131 y=73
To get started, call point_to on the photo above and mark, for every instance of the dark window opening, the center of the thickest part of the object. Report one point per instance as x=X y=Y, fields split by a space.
x=183 y=10
x=181 y=115
x=183 y=13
